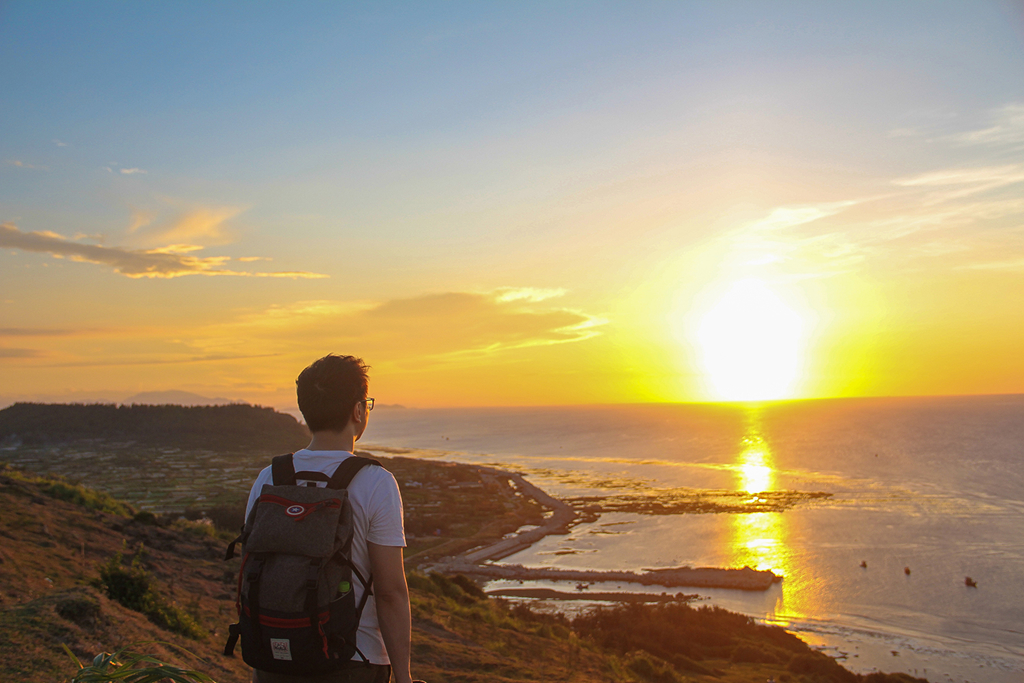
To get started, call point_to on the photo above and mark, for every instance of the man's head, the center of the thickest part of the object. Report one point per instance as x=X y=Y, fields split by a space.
x=331 y=392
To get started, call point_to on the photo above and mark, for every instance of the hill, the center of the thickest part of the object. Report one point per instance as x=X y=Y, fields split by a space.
x=232 y=427
x=59 y=540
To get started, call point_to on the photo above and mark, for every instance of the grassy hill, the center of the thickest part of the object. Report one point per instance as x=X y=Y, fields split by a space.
x=58 y=539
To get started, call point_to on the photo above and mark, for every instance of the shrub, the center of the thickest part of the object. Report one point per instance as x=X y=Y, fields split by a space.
x=228 y=517
x=135 y=588
x=145 y=517
x=468 y=586
x=80 y=608
x=754 y=655
x=651 y=668
x=201 y=528
x=820 y=667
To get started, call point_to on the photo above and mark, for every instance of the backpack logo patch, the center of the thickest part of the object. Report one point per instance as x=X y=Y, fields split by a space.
x=282 y=648
x=294 y=510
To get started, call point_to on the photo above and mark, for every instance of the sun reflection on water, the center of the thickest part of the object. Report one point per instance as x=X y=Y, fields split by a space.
x=759 y=539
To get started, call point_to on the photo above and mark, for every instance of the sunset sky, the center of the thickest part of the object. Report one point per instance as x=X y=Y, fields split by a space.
x=517 y=203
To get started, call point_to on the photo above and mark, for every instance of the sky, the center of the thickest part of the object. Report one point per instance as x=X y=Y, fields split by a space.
x=520 y=203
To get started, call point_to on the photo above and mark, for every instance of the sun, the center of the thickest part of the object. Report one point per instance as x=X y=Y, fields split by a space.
x=751 y=343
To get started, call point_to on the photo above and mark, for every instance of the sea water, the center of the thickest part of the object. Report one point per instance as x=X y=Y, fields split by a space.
x=924 y=493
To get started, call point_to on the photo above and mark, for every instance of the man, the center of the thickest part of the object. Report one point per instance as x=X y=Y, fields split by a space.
x=332 y=395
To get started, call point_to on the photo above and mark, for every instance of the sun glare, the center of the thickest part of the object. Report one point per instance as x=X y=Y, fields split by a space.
x=751 y=343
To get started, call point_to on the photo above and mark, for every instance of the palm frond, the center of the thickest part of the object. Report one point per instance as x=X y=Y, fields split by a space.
x=127 y=666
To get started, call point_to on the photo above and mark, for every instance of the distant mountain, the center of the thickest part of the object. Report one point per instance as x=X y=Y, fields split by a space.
x=175 y=398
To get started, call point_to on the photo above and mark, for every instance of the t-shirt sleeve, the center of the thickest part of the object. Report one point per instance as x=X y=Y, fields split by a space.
x=264 y=477
x=386 y=517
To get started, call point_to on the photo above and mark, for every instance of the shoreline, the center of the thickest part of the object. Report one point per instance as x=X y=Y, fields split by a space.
x=477 y=561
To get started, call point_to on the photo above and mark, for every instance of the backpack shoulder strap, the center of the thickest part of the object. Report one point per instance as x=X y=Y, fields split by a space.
x=283 y=470
x=348 y=468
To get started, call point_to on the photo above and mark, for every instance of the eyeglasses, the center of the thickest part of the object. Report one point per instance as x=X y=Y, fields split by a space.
x=369 y=404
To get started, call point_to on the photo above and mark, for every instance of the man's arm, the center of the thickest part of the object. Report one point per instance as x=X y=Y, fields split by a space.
x=393 y=614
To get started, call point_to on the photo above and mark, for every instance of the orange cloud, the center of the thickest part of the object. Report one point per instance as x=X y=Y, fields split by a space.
x=451 y=327
x=166 y=262
x=206 y=225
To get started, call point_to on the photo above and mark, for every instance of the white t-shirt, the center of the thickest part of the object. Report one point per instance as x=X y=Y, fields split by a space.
x=377 y=514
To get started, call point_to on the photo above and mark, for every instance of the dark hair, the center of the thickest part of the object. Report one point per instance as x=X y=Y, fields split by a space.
x=329 y=389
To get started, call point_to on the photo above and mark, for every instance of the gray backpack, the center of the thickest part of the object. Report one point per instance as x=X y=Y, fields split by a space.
x=297 y=612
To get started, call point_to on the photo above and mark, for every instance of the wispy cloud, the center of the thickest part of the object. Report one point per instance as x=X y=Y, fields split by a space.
x=416 y=332
x=140 y=218
x=20 y=353
x=1006 y=128
x=166 y=262
x=131 y=171
x=22 y=164
x=1013 y=264
x=530 y=294
x=171 y=223
x=33 y=332
x=788 y=216
x=934 y=217
x=957 y=183
x=205 y=225
x=180 y=360
x=59 y=143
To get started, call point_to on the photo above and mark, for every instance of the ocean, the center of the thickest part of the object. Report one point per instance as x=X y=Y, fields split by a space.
x=923 y=492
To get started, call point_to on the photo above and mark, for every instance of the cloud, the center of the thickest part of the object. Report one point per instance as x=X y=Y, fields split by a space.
x=432 y=329
x=140 y=218
x=22 y=164
x=788 y=217
x=33 y=332
x=995 y=176
x=131 y=171
x=531 y=294
x=206 y=225
x=956 y=183
x=167 y=262
x=1007 y=265
x=1006 y=129
x=20 y=353
x=211 y=358
x=59 y=143
x=249 y=259
x=201 y=225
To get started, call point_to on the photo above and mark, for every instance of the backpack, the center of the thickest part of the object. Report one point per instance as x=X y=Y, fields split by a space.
x=297 y=612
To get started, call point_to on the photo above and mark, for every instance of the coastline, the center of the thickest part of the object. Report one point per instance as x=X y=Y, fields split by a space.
x=478 y=561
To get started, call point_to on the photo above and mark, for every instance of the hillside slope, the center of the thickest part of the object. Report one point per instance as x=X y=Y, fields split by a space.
x=55 y=537
x=49 y=557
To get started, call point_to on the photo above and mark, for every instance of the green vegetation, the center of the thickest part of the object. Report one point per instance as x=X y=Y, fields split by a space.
x=699 y=641
x=135 y=588
x=131 y=667
x=61 y=489
x=231 y=426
